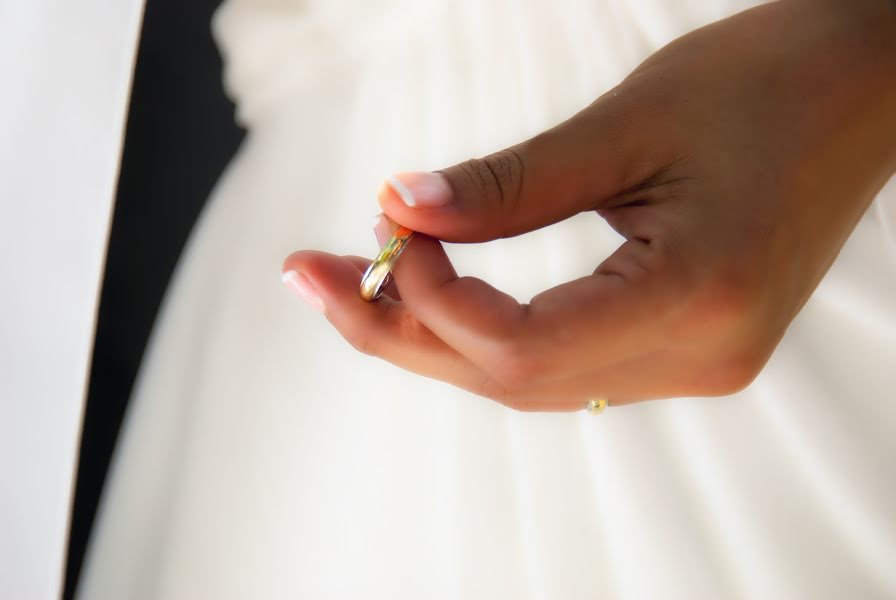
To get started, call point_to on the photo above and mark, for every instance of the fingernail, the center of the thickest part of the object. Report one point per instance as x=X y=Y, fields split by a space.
x=302 y=288
x=382 y=229
x=423 y=190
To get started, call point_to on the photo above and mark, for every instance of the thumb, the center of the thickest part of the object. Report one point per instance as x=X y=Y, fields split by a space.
x=576 y=166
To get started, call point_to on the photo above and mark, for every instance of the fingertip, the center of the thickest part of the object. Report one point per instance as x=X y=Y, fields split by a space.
x=401 y=190
x=420 y=189
x=313 y=264
x=334 y=279
x=294 y=276
x=394 y=208
x=423 y=202
x=383 y=229
x=295 y=261
x=384 y=194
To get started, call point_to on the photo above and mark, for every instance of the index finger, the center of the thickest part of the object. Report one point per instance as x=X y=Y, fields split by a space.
x=581 y=325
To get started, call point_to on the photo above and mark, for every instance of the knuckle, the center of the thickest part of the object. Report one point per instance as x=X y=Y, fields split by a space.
x=654 y=260
x=645 y=262
x=501 y=393
x=508 y=396
x=519 y=404
x=405 y=326
x=731 y=298
x=734 y=374
x=498 y=177
x=720 y=311
x=719 y=304
x=361 y=339
x=721 y=374
x=515 y=364
x=662 y=256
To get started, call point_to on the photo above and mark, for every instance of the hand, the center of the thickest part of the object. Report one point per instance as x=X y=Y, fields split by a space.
x=735 y=162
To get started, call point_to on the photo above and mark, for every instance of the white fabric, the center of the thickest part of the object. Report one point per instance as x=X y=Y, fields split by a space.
x=66 y=71
x=255 y=464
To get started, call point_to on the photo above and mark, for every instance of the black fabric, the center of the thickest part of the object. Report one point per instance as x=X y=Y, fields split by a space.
x=180 y=135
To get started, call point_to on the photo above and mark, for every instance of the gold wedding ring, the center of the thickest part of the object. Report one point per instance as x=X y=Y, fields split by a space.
x=379 y=274
x=595 y=406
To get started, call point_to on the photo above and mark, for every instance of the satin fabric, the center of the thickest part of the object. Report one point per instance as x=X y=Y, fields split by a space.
x=264 y=458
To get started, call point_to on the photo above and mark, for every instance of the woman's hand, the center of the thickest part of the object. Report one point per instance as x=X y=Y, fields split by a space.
x=736 y=161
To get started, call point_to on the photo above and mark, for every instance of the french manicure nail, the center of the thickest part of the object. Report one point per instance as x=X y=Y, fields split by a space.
x=382 y=229
x=302 y=288
x=423 y=190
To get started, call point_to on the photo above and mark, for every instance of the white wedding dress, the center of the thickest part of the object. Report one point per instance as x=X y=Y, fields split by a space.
x=256 y=464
